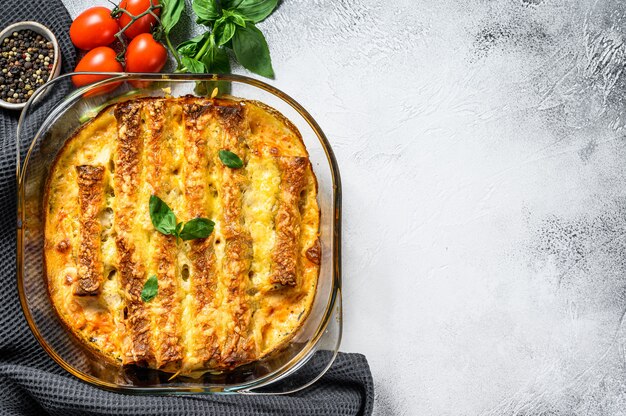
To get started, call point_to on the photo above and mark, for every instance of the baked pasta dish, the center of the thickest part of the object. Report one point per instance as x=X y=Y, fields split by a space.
x=158 y=296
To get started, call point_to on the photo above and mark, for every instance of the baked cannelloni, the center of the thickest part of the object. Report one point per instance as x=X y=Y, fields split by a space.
x=221 y=301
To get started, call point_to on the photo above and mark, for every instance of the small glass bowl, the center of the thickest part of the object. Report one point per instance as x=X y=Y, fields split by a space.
x=44 y=126
x=46 y=33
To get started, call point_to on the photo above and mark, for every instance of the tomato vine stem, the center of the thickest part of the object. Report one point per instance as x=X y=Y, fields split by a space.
x=117 y=11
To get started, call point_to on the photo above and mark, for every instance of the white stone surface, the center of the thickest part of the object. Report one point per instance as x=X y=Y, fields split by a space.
x=482 y=152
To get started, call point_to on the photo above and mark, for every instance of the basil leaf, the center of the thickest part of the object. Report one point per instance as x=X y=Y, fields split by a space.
x=194 y=66
x=234 y=17
x=251 y=50
x=219 y=22
x=162 y=216
x=216 y=59
x=190 y=47
x=197 y=228
x=230 y=159
x=227 y=33
x=230 y=4
x=254 y=10
x=150 y=289
x=206 y=10
x=171 y=10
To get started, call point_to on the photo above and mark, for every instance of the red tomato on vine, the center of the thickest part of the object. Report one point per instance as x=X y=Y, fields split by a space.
x=135 y=7
x=100 y=59
x=144 y=54
x=92 y=28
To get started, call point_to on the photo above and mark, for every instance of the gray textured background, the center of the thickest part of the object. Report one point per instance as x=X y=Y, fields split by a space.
x=483 y=156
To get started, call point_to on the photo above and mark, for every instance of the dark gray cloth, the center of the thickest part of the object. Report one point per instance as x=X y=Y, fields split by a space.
x=32 y=384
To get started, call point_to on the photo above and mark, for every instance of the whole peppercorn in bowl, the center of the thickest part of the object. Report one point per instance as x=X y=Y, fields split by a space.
x=29 y=57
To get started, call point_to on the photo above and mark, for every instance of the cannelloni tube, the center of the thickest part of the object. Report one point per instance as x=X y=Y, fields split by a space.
x=287 y=221
x=90 y=197
x=161 y=133
x=136 y=347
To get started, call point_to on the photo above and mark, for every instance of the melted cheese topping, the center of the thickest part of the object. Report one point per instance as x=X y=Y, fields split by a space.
x=223 y=301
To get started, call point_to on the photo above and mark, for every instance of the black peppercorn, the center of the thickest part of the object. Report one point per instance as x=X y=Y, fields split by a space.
x=26 y=60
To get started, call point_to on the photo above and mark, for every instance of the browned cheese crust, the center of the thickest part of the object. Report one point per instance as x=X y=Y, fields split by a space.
x=90 y=195
x=223 y=301
x=128 y=157
x=285 y=259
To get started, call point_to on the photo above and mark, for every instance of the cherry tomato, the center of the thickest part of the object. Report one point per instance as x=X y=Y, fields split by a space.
x=136 y=7
x=102 y=59
x=144 y=54
x=92 y=28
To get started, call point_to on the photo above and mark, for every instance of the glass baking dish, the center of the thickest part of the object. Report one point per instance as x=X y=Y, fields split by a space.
x=49 y=118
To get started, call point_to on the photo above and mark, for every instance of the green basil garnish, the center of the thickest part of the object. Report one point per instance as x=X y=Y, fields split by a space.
x=162 y=216
x=150 y=289
x=164 y=221
x=230 y=159
x=197 y=228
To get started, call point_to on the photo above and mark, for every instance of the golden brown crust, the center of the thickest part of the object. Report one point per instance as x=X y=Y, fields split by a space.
x=285 y=256
x=90 y=193
x=230 y=114
x=314 y=253
x=237 y=244
x=216 y=307
x=129 y=147
x=137 y=348
x=237 y=256
x=167 y=348
x=198 y=198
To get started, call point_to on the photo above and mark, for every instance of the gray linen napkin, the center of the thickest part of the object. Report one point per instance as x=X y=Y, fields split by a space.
x=32 y=384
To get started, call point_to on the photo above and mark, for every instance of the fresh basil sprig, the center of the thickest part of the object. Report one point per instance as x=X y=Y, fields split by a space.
x=170 y=13
x=252 y=51
x=196 y=228
x=254 y=10
x=171 y=10
x=231 y=25
x=150 y=289
x=201 y=55
x=230 y=159
x=164 y=221
x=162 y=216
x=207 y=11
